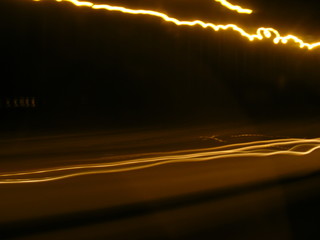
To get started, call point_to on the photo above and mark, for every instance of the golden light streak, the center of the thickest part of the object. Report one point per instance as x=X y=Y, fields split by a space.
x=260 y=34
x=234 y=7
x=292 y=147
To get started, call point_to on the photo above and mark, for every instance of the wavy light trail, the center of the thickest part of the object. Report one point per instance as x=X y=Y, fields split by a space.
x=234 y=7
x=293 y=147
x=261 y=33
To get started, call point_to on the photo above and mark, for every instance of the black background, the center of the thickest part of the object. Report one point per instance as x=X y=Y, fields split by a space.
x=94 y=68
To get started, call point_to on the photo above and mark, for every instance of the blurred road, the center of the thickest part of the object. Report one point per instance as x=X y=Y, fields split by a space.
x=236 y=198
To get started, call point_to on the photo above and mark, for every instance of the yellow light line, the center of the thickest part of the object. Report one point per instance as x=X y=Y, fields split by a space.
x=234 y=7
x=261 y=33
x=294 y=147
x=223 y=149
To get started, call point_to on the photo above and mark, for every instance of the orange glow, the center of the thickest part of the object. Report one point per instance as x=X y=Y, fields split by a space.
x=234 y=7
x=291 y=147
x=260 y=34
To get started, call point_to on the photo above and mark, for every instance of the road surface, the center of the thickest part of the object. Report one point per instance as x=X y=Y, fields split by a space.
x=274 y=197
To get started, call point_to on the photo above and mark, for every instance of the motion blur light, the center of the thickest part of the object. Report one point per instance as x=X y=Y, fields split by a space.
x=234 y=7
x=289 y=146
x=261 y=33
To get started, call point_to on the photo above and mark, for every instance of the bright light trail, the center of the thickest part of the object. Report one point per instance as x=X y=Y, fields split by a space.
x=260 y=34
x=290 y=147
x=234 y=7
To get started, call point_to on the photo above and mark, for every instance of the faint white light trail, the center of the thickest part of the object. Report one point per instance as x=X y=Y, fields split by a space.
x=265 y=148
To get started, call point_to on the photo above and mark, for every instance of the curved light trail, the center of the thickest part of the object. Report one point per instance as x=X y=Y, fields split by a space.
x=260 y=34
x=232 y=7
x=292 y=147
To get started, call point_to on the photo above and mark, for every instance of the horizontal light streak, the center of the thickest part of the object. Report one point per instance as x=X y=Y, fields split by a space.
x=261 y=32
x=293 y=147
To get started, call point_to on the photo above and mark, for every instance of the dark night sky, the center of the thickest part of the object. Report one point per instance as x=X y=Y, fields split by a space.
x=90 y=67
